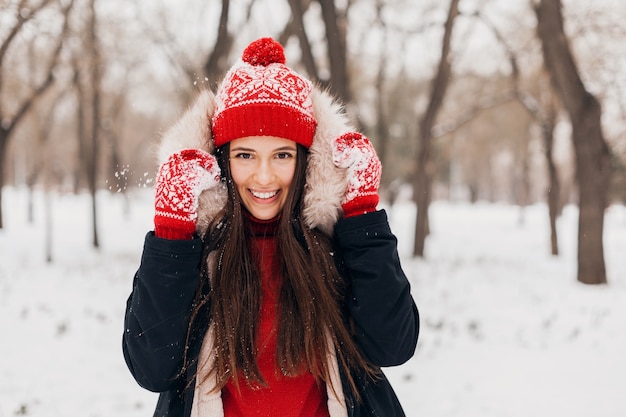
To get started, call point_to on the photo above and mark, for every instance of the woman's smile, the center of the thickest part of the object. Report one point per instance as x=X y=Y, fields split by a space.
x=264 y=195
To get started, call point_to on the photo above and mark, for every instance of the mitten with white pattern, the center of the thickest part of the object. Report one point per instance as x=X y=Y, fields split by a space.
x=179 y=183
x=355 y=153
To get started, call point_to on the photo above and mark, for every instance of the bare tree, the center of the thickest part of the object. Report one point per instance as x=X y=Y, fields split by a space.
x=593 y=160
x=43 y=120
x=335 y=23
x=93 y=50
x=382 y=123
x=87 y=70
x=296 y=27
x=81 y=125
x=547 y=122
x=25 y=12
x=543 y=110
x=43 y=167
x=216 y=62
x=425 y=166
x=204 y=67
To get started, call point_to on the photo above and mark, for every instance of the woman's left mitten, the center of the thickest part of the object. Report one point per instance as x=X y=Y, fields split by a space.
x=355 y=153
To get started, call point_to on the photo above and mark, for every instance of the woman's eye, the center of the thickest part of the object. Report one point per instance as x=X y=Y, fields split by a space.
x=284 y=155
x=243 y=155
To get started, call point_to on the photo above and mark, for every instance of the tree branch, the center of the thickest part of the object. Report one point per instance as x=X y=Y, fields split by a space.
x=49 y=80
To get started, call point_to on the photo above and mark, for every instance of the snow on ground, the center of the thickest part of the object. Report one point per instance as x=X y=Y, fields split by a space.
x=506 y=329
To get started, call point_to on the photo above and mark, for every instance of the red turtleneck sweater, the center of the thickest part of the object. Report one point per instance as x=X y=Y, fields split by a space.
x=284 y=396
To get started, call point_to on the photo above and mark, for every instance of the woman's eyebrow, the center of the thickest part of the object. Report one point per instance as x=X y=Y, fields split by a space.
x=282 y=148
x=286 y=148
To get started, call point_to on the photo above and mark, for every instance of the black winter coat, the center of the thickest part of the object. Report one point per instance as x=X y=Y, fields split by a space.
x=379 y=303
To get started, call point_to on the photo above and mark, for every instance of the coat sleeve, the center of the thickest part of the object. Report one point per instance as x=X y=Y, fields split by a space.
x=379 y=301
x=158 y=311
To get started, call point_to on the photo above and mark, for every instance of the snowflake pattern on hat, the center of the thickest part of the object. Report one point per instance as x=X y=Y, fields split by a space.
x=274 y=84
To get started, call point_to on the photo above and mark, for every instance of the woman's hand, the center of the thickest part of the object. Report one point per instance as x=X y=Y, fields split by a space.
x=179 y=183
x=354 y=152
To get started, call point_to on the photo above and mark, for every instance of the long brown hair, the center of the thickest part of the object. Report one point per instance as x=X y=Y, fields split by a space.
x=311 y=300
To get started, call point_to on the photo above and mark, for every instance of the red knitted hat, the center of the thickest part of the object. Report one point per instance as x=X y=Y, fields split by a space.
x=260 y=96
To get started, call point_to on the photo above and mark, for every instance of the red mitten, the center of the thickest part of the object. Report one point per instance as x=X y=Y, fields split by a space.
x=354 y=152
x=179 y=183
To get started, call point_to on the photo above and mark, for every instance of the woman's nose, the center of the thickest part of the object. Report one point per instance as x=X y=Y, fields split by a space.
x=264 y=173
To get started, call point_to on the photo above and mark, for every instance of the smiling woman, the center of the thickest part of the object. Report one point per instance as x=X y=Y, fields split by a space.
x=262 y=168
x=271 y=285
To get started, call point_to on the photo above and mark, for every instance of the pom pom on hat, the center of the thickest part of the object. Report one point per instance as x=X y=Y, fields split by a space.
x=263 y=52
x=261 y=96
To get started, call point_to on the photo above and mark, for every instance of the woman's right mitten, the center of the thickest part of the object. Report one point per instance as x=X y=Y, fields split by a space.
x=181 y=179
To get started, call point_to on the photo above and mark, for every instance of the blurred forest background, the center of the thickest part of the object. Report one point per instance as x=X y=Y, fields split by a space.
x=516 y=102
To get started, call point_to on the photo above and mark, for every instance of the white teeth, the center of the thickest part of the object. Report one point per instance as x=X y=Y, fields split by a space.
x=265 y=195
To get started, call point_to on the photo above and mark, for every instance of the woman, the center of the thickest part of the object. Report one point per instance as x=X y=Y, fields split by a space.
x=271 y=285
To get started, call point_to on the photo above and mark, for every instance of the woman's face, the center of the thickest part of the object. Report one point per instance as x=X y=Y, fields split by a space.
x=262 y=168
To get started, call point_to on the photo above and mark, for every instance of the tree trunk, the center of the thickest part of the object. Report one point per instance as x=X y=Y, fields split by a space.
x=382 y=125
x=522 y=180
x=81 y=129
x=554 y=187
x=298 y=8
x=48 y=225
x=216 y=62
x=4 y=142
x=8 y=124
x=92 y=167
x=425 y=165
x=543 y=112
x=336 y=43
x=593 y=165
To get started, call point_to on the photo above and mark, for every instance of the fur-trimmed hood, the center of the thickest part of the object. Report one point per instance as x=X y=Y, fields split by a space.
x=325 y=183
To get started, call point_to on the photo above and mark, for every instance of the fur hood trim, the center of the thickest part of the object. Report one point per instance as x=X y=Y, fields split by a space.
x=325 y=183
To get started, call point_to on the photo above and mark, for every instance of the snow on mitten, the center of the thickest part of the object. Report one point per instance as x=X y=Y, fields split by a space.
x=354 y=152
x=179 y=183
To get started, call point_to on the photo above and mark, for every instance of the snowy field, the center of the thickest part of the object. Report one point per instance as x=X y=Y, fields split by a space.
x=506 y=329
